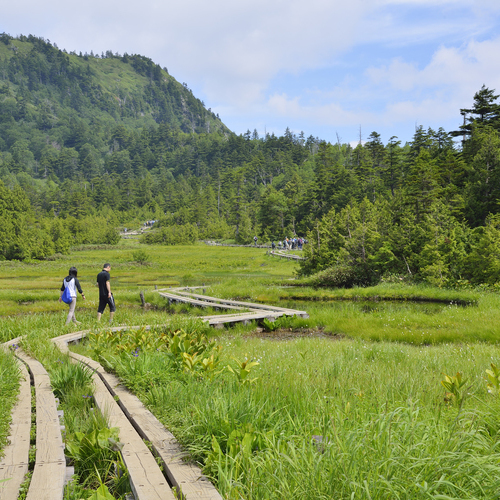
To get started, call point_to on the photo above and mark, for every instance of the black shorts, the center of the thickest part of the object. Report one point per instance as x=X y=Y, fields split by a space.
x=104 y=301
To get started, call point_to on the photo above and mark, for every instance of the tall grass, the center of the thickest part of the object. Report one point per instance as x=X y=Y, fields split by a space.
x=9 y=387
x=334 y=419
x=358 y=417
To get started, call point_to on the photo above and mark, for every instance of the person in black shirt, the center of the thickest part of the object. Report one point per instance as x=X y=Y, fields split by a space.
x=105 y=295
x=71 y=282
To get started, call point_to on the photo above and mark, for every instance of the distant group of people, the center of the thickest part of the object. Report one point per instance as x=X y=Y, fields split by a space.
x=286 y=244
x=71 y=285
x=289 y=244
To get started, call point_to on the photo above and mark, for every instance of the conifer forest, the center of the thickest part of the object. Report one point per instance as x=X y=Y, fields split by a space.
x=90 y=143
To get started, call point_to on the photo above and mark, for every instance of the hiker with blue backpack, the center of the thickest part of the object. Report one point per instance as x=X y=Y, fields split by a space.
x=68 y=294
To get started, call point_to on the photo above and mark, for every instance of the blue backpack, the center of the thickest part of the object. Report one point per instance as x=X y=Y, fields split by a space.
x=66 y=296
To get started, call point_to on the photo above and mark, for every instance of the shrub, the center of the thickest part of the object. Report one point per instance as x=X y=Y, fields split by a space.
x=140 y=256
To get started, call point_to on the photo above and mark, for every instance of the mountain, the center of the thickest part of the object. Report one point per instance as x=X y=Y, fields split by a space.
x=58 y=96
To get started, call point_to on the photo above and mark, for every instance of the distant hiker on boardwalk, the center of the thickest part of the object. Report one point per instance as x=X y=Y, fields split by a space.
x=68 y=293
x=105 y=295
x=255 y=240
x=273 y=246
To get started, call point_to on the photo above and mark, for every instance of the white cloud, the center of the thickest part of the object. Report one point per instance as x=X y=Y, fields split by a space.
x=332 y=113
x=458 y=72
x=230 y=52
x=431 y=95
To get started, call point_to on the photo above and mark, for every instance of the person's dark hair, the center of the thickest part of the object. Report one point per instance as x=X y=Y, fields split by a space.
x=106 y=265
x=73 y=272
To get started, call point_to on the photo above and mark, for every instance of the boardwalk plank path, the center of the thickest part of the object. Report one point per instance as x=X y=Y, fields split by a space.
x=146 y=479
x=47 y=482
x=14 y=464
x=200 y=303
x=123 y=410
x=283 y=311
x=182 y=475
x=284 y=255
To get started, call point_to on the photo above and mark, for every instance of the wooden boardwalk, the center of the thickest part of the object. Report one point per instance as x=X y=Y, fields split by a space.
x=137 y=423
x=49 y=474
x=146 y=479
x=123 y=410
x=14 y=464
x=284 y=255
x=254 y=311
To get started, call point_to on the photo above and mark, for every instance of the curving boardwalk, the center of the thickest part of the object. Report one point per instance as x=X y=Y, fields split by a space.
x=124 y=410
x=136 y=423
x=240 y=312
x=47 y=481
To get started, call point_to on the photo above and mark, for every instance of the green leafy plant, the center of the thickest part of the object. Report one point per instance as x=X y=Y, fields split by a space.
x=94 y=453
x=241 y=444
x=141 y=256
x=196 y=364
x=270 y=326
x=101 y=493
x=67 y=377
x=283 y=322
x=242 y=370
x=493 y=380
x=453 y=384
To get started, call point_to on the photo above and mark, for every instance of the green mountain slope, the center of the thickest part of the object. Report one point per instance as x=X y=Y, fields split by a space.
x=45 y=90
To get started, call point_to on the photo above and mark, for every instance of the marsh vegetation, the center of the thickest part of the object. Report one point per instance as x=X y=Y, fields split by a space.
x=346 y=404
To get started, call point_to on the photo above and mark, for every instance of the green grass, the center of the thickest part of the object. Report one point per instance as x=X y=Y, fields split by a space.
x=363 y=372
x=9 y=387
x=388 y=428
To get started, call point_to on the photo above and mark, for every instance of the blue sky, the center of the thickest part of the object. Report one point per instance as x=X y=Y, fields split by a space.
x=327 y=68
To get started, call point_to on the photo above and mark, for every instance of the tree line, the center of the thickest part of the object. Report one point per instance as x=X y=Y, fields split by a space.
x=422 y=209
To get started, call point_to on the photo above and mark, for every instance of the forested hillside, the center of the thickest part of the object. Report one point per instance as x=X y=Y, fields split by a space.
x=99 y=141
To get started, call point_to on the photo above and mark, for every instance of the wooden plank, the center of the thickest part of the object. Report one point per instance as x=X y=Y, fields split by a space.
x=250 y=305
x=199 y=303
x=71 y=337
x=47 y=482
x=224 y=319
x=14 y=464
x=287 y=256
x=184 y=476
x=146 y=479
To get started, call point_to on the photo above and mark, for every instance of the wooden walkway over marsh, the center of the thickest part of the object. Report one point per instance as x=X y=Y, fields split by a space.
x=284 y=255
x=124 y=410
x=136 y=424
x=50 y=472
x=179 y=478
x=240 y=312
x=14 y=464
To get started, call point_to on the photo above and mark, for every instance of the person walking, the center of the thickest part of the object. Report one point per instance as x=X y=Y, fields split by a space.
x=71 y=282
x=105 y=295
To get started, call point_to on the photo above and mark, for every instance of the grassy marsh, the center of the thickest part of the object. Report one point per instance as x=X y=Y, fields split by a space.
x=9 y=387
x=330 y=419
x=362 y=374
